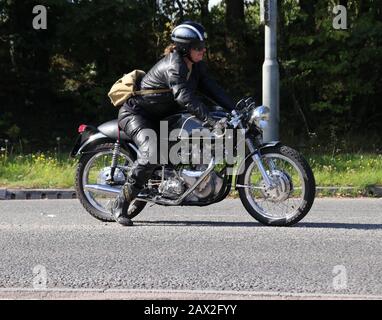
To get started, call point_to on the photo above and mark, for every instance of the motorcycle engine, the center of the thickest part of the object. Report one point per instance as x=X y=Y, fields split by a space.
x=170 y=185
x=174 y=184
x=171 y=188
x=209 y=187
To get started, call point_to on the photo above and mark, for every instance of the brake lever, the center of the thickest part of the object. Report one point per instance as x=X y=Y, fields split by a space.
x=221 y=125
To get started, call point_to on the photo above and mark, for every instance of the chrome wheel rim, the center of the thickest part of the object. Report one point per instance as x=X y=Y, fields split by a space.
x=282 y=202
x=94 y=172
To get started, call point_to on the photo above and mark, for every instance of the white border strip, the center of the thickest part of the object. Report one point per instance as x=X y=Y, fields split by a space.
x=207 y=294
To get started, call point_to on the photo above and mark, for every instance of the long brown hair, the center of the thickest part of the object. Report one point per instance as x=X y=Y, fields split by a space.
x=169 y=49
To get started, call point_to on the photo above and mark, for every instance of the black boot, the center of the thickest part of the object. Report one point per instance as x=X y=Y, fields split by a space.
x=130 y=190
x=121 y=205
x=119 y=210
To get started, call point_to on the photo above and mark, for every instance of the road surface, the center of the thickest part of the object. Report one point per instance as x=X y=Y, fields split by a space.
x=54 y=249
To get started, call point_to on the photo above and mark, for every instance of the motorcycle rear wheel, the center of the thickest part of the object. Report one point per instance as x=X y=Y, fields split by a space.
x=100 y=206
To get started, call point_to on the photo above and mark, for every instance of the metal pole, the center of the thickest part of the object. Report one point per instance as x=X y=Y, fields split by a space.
x=271 y=72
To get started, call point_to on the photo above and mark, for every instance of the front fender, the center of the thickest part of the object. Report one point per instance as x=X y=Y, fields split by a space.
x=269 y=144
x=241 y=166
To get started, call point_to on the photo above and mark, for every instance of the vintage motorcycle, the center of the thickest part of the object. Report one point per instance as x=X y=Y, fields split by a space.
x=274 y=182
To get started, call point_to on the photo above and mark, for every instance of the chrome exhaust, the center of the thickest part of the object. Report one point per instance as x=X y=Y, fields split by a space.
x=102 y=188
x=210 y=167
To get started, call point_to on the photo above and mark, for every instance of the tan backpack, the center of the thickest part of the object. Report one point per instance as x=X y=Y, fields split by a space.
x=126 y=87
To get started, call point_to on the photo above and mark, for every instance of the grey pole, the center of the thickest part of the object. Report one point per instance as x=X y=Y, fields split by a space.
x=271 y=70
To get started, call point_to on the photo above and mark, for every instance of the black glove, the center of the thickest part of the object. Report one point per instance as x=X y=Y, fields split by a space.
x=202 y=112
x=210 y=123
x=199 y=110
x=216 y=124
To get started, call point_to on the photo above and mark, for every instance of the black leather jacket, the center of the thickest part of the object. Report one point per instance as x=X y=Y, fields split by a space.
x=172 y=72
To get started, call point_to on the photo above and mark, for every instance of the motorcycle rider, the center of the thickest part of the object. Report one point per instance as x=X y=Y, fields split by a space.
x=183 y=71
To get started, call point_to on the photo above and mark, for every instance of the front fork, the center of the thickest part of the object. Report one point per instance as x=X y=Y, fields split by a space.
x=255 y=154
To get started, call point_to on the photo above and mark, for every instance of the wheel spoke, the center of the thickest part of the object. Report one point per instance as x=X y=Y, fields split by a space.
x=284 y=200
x=95 y=179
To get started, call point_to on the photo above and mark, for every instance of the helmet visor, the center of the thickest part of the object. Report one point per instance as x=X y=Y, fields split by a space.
x=200 y=46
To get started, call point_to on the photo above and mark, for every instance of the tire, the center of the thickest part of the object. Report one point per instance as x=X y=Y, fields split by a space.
x=85 y=198
x=306 y=181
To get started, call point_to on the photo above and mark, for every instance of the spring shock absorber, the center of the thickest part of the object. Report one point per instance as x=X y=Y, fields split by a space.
x=114 y=160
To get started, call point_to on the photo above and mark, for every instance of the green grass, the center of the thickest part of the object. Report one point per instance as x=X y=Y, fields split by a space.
x=347 y=170
x=36 y=171
x=50 y=171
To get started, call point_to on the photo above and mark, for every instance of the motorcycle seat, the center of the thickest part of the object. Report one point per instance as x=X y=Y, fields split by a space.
x=111 y=128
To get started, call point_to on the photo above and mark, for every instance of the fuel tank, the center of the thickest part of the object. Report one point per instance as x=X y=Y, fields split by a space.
x=188 y=122
x=201 y=146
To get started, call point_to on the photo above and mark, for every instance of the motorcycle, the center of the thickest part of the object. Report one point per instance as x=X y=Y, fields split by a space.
x=274 y=182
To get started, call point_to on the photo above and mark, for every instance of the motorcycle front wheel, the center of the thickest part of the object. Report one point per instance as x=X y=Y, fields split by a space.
x=293 y=191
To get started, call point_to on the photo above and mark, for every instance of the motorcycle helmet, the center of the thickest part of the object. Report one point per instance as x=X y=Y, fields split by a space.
x=187 y=35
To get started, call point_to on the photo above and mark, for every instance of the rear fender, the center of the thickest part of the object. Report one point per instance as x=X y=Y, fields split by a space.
x=87 y=143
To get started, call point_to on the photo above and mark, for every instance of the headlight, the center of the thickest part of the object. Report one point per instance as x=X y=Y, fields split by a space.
x=259 y=116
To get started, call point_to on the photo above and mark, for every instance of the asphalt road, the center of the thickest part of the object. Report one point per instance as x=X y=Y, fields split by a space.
x=215 y=252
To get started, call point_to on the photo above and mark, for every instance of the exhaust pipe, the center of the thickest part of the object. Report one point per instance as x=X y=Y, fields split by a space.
x=167 y=202
x=102 y=188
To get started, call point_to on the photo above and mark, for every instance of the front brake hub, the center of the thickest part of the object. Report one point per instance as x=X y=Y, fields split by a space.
x=282 y=186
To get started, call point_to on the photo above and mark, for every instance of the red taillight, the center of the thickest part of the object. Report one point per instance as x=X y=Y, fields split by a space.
x=82 y=128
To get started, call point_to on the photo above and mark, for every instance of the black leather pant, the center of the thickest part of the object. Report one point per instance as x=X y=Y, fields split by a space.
x=141 y=131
